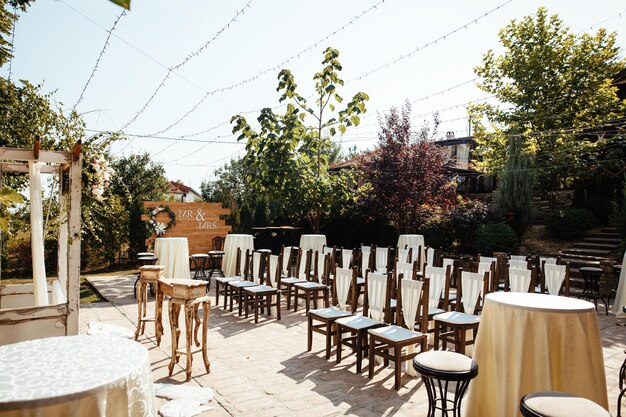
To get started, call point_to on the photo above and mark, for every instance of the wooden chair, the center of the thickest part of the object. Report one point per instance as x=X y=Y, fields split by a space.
x=260 y=296
x=345 y=280
x=316 y=287
x=489 y=268
x=494 y=276
x=241 y=270
x=347 y=258
x=383 y=260
x=235 y=288
x=453 y=325
x=438 y=290
x=365 y=263
x=303 y=266
x=556 y=278
x=218 y=243
x=401 y=270
x=389 y=341
x=376 y=312
x=519 y=280
x=286 y=256
x=403 y=255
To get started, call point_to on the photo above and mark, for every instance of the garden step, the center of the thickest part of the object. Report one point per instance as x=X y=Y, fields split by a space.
x=609 y=230
x=604 y=240
x=591 y=252
x=592 y=245
x=607 y=235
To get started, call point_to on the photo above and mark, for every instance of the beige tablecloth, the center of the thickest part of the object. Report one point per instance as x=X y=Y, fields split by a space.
x=535 y=342
x=315 y=242
x=173 y=253
x=76 y=376
x=232 y=242
x=620 y=297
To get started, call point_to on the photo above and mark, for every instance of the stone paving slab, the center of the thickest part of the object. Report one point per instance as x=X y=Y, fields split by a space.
x=265 y=370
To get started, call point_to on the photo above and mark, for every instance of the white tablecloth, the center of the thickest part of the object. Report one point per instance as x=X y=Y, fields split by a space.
x=76 y=376
x=620 y=297
x=535 y=342
x=231 y=243
x=315 y=242
x=173 y=253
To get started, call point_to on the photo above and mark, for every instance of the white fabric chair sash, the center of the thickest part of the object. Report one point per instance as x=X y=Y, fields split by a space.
x=472 y=284
x=437 y=278
x=403 y=255
x=415 y=250
x=519 y=279
x=242 y=264
x=411 y=295
x=430 y=257
x=273 y=269
x=286 y=261
x=376 y=291
x=482 y=268
x=382 y=255
x=256 y=268
x=518 y=258
x=303 y=261
x=343 y=278
x=346 y=258
x=548 y=261
x=365 y=258
x=513 y=264
x=321 y=261
x=487 y=259
x=405 y=269
x=555 y=275
x=446 y=262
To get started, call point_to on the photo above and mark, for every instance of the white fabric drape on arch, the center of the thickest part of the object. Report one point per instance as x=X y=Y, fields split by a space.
x=40 y=287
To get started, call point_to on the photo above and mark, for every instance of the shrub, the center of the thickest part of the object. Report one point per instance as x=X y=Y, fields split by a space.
x=601 y=208
x=438 y=232
x=569 y=223
x=496 y=237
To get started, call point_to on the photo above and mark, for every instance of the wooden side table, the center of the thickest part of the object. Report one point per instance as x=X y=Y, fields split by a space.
x=189 y=295
x=148 y=275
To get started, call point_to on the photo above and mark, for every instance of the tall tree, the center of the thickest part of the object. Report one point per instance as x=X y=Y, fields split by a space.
x=406 y=175
x=552 y=85
x=288 y=159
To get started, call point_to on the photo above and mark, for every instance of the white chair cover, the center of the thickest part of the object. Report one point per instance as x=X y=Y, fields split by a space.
x=303 y=262
x=430 y=257
x=286 y=262
x=437 y=284
x=519 y=279
x=472 y=283
x=273 y=269
x=554 y=275
x=242 y=264
x=256 y=268
x=376 y=291
x=346 y=258
x=365 y=258
x=343 y=278
x=382 y=255
x=405 y=269
x=411 y=294
x=482 y=268
x=321 y=261
x=513 y=264
x=415 y=251
x=518 y=258
x=403 y=255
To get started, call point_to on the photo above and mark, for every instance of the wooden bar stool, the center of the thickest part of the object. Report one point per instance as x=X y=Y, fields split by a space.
x=559 y=404
x=189 y=295
x=148 y=275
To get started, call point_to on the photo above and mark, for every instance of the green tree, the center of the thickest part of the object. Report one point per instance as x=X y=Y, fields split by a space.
x=288 y=159
x=552 y=85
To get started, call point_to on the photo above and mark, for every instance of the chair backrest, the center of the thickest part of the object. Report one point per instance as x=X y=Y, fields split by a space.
x=518 y=258
x=218 y=243
x=407 y=270
x=274 y=269
x=256 y=267
x=416 y=254
x=513 y=264
x=413 y=303
x=346 y=258
x=519 y=279
x=286 y=261
x=439 y=279
x=365 y=257
x=403 y=255
x=470 y=288
x=377 y=296
x=382 y=260
x=430 y=256
x=344 y=278
x=243 y=266
x=554 y=276
x=543 y=260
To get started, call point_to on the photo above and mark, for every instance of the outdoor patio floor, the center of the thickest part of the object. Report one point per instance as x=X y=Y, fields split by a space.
x=264 y=369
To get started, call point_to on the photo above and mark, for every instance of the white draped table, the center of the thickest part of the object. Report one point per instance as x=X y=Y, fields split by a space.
x=76 y=376
x=231 y=243
x=535 y=342
x=173 y=253
x=315 y=242
x=620 y=297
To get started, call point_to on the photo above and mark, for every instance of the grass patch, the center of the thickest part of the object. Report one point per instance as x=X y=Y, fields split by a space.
x=88 y=293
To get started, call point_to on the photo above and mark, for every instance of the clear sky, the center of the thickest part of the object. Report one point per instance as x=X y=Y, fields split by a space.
x=57 y=43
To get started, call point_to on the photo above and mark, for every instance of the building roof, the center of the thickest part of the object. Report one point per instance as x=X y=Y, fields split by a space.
x=175 y=187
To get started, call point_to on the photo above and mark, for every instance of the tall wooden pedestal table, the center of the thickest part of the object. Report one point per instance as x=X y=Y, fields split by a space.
x=189 y=295
x=148 y=275
x=173 y=254
x=535 y=342
x=231 y=243
x=76 y=376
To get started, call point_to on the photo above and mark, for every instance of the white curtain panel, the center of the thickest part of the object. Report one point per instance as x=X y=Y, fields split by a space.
x=346 y=258
x=518 y=258
x=518 y=264
x=406 y=269
x=343 y=278
x=472 y=286
x=256 y=267
x=519 y=279
x=286 y=261
x=437 y=284
x=411 y=292
x=382 y=255
x=40 y=286
x=555 y=275
x=376 y=291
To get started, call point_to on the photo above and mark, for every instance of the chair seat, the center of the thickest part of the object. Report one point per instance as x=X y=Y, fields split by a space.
x=444 y=361
x=360 y=281
x=358 y=322
x=330 y=313
x=224 y=280
x=242 y=284
x=215 y=253
x=199 y=255
x=307 y=285
x=434 y=311
x=395 y=333
x=560 y=404
x=261 y=289
x=454 y=317
x=291 y=280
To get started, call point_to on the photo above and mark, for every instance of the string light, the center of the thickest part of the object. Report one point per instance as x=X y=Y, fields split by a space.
x=12 y=41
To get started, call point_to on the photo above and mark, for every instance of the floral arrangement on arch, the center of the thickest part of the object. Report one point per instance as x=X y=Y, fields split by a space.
x=100 y=175
x=155 y=226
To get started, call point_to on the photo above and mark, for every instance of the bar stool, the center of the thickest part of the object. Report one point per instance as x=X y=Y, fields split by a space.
x=436 y=366
x=189 y=295
x=145 y=258
x=198 y=263
x=591 y=275
x=559 y=404
x=215 y=263
x=148 y=275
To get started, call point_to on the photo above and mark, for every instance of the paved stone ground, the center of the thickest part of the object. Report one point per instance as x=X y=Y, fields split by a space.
x=264 y=370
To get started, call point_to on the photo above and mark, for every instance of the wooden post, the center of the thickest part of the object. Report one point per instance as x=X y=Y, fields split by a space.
x=74 y=222
x=62 y=268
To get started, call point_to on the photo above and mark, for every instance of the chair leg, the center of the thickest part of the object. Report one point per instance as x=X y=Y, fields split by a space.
x=372 y=356
x=328 y=336
x=278 y=305
x=205 y=327
x=339 y=344
x=256 y=308
x=436 y=337
x=359 y=351
x=398 y=362
x=309 y=334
